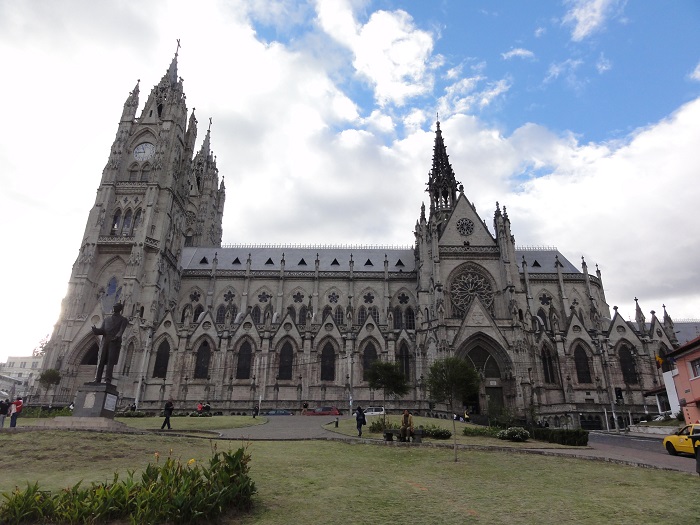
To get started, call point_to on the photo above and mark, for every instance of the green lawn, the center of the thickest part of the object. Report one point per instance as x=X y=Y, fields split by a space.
x=327 y=482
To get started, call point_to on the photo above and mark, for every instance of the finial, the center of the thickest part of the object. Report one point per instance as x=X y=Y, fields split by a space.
x=615 y=308
x=177 y=50
x=209 y=125
x=635 y=299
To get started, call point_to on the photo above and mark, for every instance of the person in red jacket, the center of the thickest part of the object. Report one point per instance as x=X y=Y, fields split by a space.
x=15 y=410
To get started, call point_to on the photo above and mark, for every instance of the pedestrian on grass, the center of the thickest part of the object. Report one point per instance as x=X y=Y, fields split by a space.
x=361 y=420
x=15 y=411
x=167 y=412
x=4 y=409
x=256 y=411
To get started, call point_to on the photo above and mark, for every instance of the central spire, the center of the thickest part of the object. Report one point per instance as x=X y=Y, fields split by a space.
x=442 y=184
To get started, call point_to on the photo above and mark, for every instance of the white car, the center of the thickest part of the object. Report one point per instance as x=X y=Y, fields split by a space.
x=374 y=411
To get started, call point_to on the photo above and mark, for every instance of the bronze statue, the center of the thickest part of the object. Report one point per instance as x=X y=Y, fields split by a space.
x=111 y=330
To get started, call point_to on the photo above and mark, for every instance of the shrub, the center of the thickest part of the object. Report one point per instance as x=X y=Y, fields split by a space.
x=134 y=413
x=435 y=432
x=378 y=426
x=471 y=430
x=171 y=493
x=514 y=434
x=44 y=412
x=200 y=414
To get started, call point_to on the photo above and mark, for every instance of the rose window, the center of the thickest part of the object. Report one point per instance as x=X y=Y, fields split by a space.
x=465 y=288
x=465 y=227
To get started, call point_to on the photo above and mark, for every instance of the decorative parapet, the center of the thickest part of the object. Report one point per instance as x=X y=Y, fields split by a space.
x=151 y=243
x=116 y=239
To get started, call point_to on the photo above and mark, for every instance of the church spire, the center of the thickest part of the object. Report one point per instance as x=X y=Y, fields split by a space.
x=171 y=75
x=131 y=104
x=442 y=184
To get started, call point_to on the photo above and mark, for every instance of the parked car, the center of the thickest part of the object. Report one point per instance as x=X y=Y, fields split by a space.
x=681 y=440
x=323 y=411
x=374 y=411
x=279 y=412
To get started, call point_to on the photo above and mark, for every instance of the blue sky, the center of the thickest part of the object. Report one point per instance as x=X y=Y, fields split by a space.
x=582 y=117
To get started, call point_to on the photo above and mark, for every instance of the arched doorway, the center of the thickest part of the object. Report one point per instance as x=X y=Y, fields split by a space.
x=492 y=362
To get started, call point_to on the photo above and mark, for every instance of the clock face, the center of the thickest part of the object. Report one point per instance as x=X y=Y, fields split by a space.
x=144 y=151
x=465 y=227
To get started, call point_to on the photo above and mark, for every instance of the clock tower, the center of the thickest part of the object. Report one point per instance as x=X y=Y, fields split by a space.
x=155 y=197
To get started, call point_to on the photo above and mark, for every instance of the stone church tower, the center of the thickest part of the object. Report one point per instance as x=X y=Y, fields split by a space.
x=282 y=325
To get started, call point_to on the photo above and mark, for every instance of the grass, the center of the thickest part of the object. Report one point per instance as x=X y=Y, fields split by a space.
x=322 y=482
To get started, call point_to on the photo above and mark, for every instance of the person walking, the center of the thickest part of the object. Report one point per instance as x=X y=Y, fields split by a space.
x=256 y=411
x=361 y=420
x=167 y=412
x=15 y=411
x=4 y=409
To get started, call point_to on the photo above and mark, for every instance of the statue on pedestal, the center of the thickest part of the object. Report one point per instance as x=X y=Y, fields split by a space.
x=111 y=330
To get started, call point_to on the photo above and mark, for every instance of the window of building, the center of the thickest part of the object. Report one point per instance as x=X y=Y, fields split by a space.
x=292 y=313
x=338 y=315
x=583 y=368
x=548 y=366
x=116 y=221
x=199 y=310
x=160 y=369
x=234 y=313
x=286 y=361
x=628 y=366
x=221 y=314
x=404 y=360
x=185 y=313
x=23 y=364
x=244 y=361
x=302 y=315
x=410 y=319
x=201 y=367
x=398 y=318
x=369 y=356
x=361 y=315
x=34 y=364
x=374 y=312
x=255 y=314
x=328 y=363
x=127 y=359
x=327 y=310
x=126 y=224
x=695 y=367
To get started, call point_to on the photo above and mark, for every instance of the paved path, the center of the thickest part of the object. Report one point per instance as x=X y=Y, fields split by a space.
x=310 y=427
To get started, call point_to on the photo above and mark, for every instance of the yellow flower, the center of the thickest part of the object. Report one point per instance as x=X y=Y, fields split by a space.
x=192 y=461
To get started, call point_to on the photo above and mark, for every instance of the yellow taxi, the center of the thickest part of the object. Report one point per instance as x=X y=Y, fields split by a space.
x=682 y=441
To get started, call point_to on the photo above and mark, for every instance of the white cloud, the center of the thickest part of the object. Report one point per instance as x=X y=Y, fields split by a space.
x=567 y=71
x=389 y=51
x=603 y=64
x=540 y=31
x=518 y=53
x=587 y=16
x=695 y=75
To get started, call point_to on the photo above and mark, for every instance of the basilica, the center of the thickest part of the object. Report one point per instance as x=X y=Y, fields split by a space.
x=278 y=326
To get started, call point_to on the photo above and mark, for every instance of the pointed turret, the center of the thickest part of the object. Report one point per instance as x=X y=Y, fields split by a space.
x=442 y=185
x=669 y=327
x=639 y=317
x=131 y=104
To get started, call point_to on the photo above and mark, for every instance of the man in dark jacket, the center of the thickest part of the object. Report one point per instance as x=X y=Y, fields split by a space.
x=167 y=412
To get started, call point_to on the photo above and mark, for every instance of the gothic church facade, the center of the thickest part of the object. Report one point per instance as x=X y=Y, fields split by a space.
x=281 y=325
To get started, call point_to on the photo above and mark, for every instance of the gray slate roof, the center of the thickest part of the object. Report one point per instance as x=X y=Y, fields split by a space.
x=338 y=259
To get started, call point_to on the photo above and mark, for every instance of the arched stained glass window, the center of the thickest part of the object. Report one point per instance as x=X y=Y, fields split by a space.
x=302 y=316
x=548 y=366
x=127 y=359
x=369 y=356
x=338 y=315
x=398 y=318
x=185 y=311
x=116 y=221
x=583 y=368
x=328 y=363
x=198 y=311
x=404 y=360
x=126 y=224
x=221 y=314
x=629 y=367
x=201 y=367
x=255 y=314
x=234 y=313
x=160 y=368
x=410 y=319
x=286 y=361
x=244 y=361
x=361 y=315
x=374 y=312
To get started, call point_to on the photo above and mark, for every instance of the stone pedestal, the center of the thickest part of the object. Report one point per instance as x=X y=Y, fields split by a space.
x=96 y=400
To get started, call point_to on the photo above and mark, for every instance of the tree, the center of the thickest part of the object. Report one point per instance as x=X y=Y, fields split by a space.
x=49 y=378
x=41 y=347
x=388 y=377
x=452 y=380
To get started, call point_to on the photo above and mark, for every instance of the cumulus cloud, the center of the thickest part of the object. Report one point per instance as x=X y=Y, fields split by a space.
x=587 y=16
x=518 y=53
x=389 y=51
